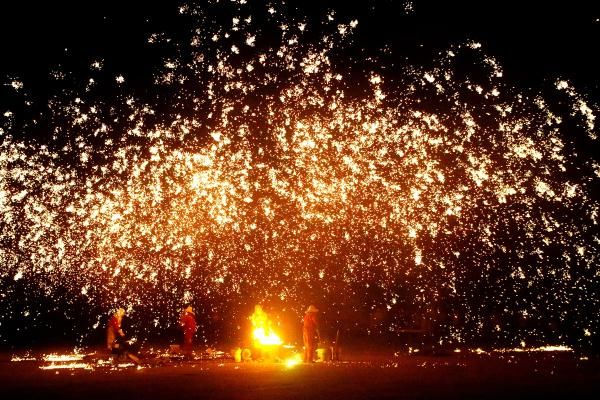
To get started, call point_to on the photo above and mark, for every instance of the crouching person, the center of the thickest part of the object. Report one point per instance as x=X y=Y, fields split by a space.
x=115 y=337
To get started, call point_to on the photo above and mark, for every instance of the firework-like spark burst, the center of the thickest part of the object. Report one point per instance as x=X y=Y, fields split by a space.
x=271 y=171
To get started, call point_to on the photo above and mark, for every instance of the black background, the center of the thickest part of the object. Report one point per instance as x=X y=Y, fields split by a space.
x=534 y=41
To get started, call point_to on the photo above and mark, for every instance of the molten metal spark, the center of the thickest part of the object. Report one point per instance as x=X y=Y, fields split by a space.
x=277 y=173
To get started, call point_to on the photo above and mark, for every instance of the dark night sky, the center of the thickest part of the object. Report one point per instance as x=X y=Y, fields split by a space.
x=534 y=41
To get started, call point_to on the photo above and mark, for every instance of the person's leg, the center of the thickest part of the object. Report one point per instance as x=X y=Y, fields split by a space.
x=311 y=350
x=133 y=357
x=187 y=341
x=306 y=345
x=187 y=345
x=115 y=353
x=129 y=352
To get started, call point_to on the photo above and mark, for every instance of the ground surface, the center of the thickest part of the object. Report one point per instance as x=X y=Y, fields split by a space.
x=360 y=376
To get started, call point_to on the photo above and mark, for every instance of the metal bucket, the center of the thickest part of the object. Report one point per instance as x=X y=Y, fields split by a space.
x=321 y=354
x=237 y=355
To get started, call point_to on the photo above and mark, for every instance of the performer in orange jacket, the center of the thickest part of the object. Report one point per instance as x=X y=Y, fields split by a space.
x=310 y=334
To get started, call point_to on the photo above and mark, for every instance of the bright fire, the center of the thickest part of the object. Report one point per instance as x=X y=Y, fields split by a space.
x=268 y=343
x=262 y=332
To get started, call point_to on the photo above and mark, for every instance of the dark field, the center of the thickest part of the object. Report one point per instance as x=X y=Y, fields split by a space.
x=360 y=375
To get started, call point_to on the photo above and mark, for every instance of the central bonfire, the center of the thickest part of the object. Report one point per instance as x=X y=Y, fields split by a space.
x=267 y=345
x=263 y=335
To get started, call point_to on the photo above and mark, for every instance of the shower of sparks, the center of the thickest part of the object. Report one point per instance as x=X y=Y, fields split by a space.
x=279 y=174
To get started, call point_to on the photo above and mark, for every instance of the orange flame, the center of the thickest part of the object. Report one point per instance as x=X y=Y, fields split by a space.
x=262 y=332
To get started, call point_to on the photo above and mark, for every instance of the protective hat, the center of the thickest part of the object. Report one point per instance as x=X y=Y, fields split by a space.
x=312 y=308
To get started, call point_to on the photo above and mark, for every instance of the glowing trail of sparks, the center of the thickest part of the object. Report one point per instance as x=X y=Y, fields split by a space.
x=275 y=175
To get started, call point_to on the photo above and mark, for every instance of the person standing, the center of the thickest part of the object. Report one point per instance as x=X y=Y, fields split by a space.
x=188 y=326
x=310 y=333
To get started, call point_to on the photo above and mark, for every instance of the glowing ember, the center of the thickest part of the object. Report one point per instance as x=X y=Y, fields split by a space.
x=293 y=361
x=63 y=357
x=19 y=359
x=536 y=349
x=71 y=365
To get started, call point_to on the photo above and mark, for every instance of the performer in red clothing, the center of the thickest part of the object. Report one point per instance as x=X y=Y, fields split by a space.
x=115 y=337
x=188 y=326
x=310 y=334
x=114 y=331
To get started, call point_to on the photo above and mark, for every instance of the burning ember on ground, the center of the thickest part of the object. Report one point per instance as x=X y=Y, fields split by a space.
x=267 y=162
x=71 y=361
